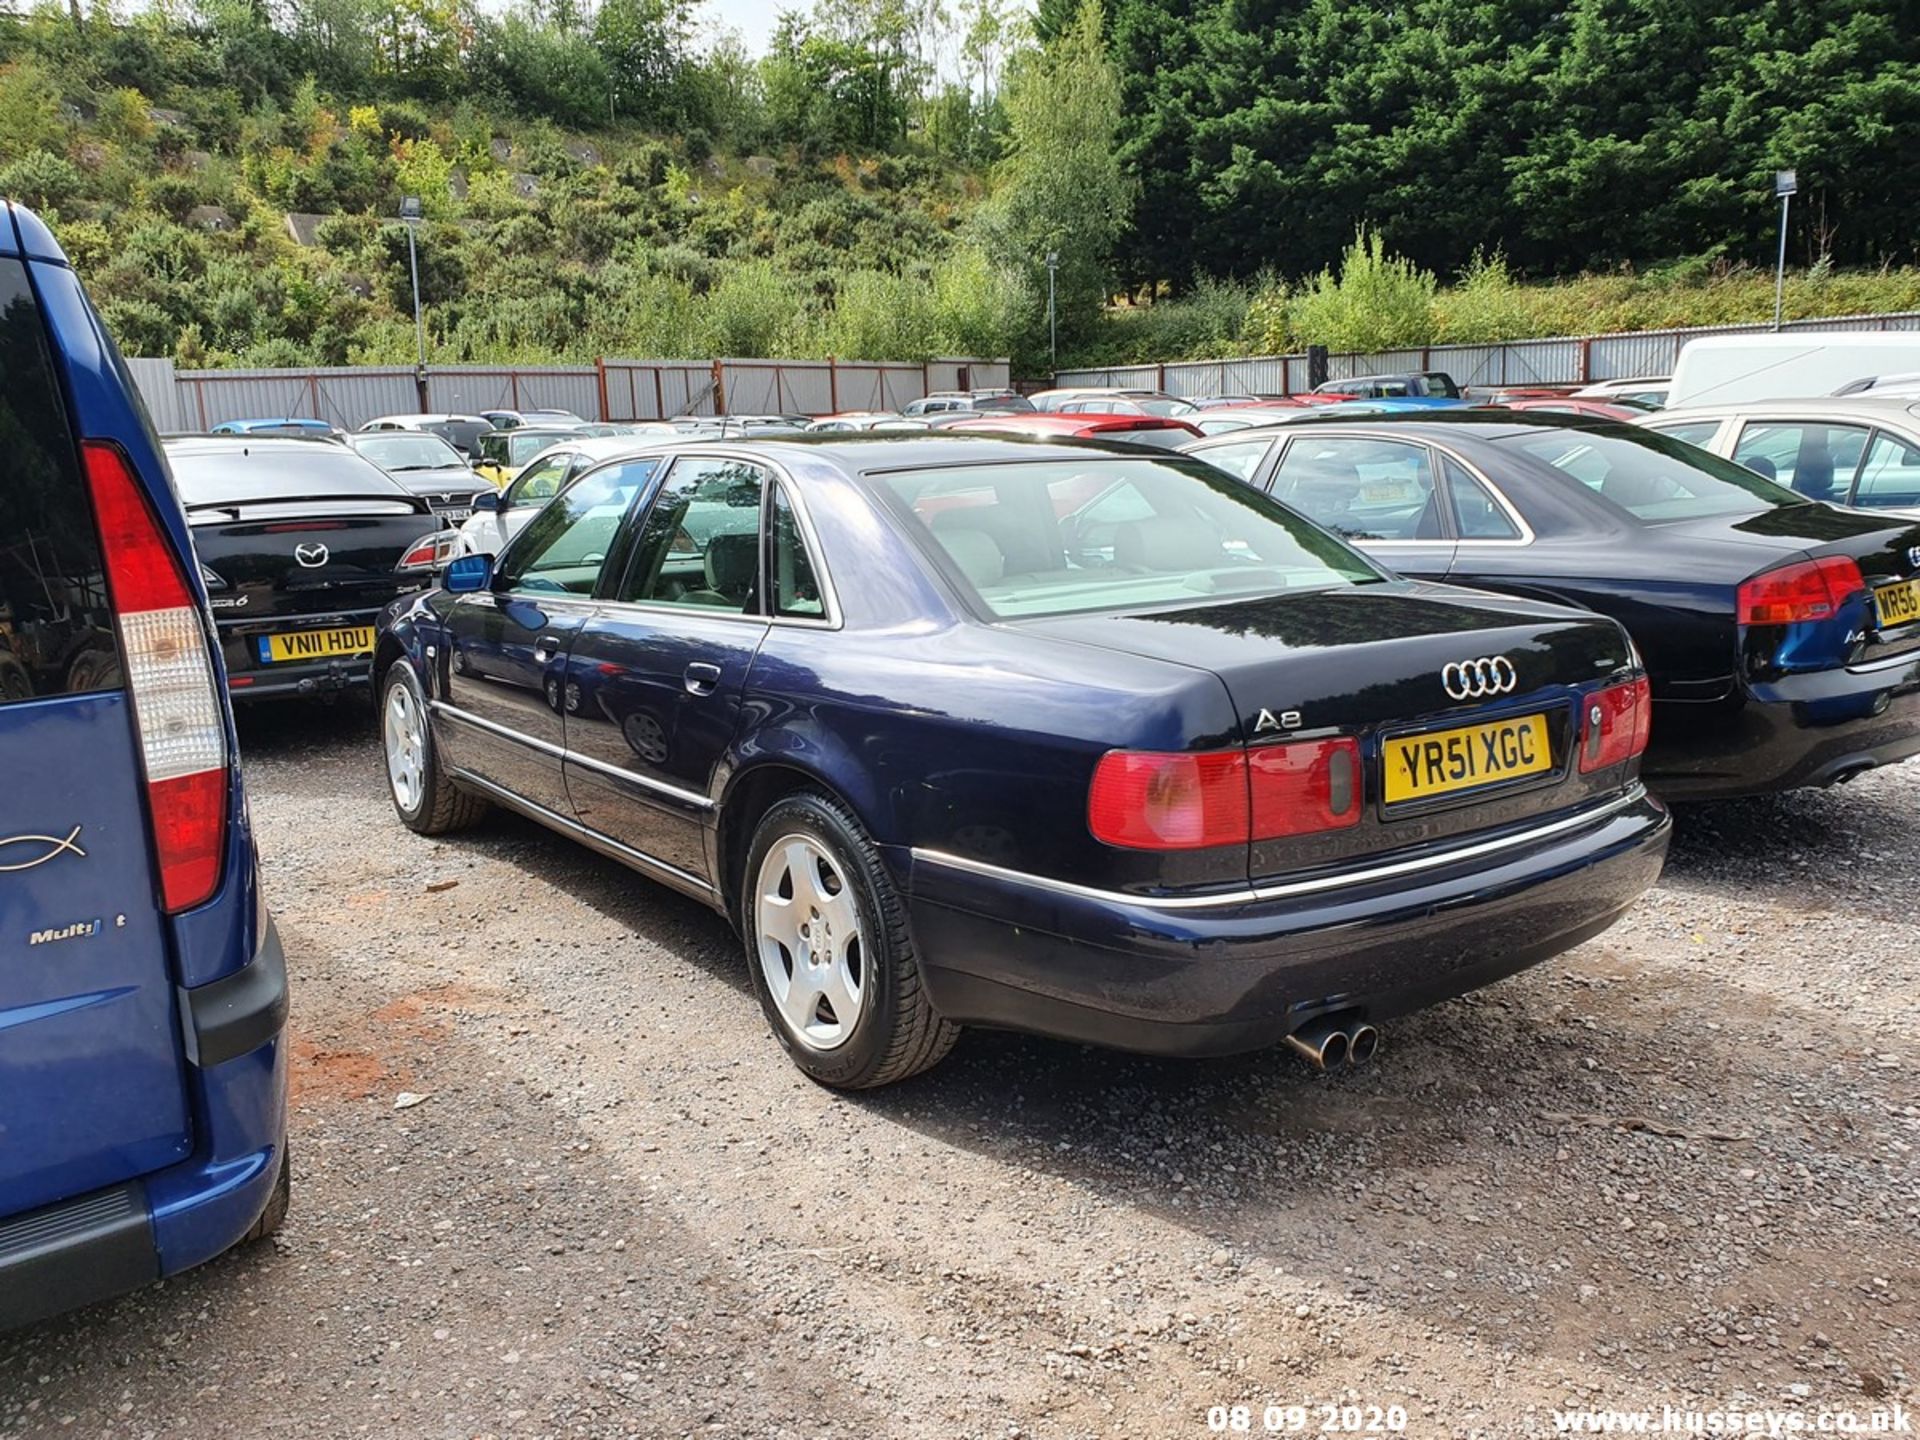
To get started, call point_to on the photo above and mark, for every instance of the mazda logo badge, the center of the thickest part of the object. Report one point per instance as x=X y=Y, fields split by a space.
x=311 y=556
x=1480 y=679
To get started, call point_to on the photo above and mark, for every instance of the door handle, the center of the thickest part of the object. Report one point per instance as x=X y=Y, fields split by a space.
x=545 y=648
x=702 y=678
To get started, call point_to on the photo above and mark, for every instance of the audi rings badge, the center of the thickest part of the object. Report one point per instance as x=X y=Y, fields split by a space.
x=1480 y=679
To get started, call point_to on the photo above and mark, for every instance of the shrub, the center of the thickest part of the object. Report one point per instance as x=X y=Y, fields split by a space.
x=1379 y=302
x=42 y=179
x=29 y=111
x=1485 y=307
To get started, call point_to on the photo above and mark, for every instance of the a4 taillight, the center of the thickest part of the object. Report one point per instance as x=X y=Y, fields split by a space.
x=1804 y=590
x=1148 y=800
x=169 y=679
x=1615 y=724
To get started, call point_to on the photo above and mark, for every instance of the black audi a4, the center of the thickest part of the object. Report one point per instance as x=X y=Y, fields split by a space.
x=1782 y=634
x=1070 y=738
x=301 y=543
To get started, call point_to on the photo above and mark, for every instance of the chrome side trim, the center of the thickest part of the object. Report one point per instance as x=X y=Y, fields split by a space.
x=646 y=782
x=1253 y=894
x=639 y=860
x=571 y=757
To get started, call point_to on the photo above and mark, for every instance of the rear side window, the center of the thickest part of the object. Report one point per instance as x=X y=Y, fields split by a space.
x=1890 y=480
x=1817 y=461
x=1650 y=477
x=56 y=626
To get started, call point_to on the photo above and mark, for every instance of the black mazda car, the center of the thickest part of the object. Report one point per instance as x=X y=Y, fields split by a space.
x=301 y=544
x=1782 y=634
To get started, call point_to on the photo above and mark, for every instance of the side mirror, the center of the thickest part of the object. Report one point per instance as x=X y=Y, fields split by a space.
x=488 y=502
x=469 y=574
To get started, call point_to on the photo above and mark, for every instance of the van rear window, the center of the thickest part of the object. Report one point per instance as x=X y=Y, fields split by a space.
x=56 y=625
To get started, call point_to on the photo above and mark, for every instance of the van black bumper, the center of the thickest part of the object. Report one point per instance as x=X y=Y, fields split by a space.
x=75 y=1253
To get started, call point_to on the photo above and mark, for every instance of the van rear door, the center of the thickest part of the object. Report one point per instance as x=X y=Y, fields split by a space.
x=91 y=1069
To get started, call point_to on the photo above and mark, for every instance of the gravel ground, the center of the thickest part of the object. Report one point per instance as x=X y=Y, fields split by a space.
x=1675 y=1166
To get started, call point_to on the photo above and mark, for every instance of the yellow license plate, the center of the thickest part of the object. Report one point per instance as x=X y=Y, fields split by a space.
x=1444 y=762
x=1898 y=604
x=316 y=644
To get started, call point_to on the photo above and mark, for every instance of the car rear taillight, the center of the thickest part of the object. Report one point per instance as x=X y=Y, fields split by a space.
x=1305 y=787
x=170 y=680
x=1617 y=722
x=430 y=552
x=1146 y=800
x=1143 y=800
x=1804 y=590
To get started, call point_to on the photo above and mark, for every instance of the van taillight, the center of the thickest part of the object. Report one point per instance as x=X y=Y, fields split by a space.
x=1616 y=724
x=1147 y=800
x=1804 y=590
x=170 y=681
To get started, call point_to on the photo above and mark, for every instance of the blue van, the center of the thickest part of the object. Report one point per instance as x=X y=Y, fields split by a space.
x=143 y=994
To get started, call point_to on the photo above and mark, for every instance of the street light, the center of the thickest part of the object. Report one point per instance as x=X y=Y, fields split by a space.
x=1053 y=327
x=410 y=216
x=1785 y=184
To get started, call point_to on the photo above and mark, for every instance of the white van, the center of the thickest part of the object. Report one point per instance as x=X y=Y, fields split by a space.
x=1733 y=369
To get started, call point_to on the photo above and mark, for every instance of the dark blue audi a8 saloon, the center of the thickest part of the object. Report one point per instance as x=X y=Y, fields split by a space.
x=1067 y=738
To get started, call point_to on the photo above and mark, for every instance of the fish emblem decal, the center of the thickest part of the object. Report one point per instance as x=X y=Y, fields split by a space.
x=9 y=860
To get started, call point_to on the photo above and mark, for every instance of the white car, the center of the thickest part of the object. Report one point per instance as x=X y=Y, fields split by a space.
x=1649 y=390
x=1848 y=449
x=499 y=516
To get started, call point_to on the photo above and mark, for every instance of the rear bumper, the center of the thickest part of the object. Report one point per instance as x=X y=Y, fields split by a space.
x=96 y=1246
x=1021 y=954
x=302 y=682
x=1790 y=734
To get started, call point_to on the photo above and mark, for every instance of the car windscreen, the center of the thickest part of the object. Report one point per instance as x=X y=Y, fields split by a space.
x=290 y=470
x=407 y=450
x=1096 y=532
x=1654 y=478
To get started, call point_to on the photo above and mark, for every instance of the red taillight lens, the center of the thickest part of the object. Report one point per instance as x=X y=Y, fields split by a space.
x=429 y=552
x=170 y=680
x=1142 y=800
x=1616 y=725
x=1804 y=590
x=1305 y=787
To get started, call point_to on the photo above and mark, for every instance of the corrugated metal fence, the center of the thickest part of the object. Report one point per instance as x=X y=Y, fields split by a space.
x=607 y=390
x=1565 y=360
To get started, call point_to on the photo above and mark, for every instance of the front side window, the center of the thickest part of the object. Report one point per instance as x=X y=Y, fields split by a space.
x=1067 y=536
x=1816 y=461
x=565 y=547
x=1890 y=480
x=1242 y=460
x=56 y=626
x=1650 y=477
x=700 y=545
x=1362 y=489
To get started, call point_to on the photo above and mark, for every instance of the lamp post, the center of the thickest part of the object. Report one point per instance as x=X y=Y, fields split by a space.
x=410 y=216
x=1785 y=184
x=1053 y=326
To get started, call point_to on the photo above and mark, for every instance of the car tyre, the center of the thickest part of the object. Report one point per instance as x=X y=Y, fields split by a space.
x=427 y=801
x=825 y=930
x=275 y=1215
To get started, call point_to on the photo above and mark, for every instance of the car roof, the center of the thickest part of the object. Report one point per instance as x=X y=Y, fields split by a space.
x=264 y=444
x=1262 y=415
x=867 y=452
x=1859 y=407
x=1486 y=423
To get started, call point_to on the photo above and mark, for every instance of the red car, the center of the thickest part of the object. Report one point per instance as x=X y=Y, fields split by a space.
x=1162 y=431
x=1567 y=405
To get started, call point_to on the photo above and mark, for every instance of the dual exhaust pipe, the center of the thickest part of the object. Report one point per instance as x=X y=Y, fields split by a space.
x=1331 y=1042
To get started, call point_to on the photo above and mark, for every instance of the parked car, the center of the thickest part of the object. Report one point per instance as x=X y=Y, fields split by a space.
x=942 y=402
x=1156 y=430
x=291 y=425
x=1737 y=369
x=1144 y=402
x=427 y=466
x=1061 y=738
x=1432 y=387
x=300 y=544
x=1225 y=419
x=1855 y=450
x=497 y=518
x=851 y=420
x=1239 y=402
x=1892 y=386
x=505 y=453
x=1570 y=405
x=1647 y=390
x=463 y=432
x=143 y=992
x=1780 y=632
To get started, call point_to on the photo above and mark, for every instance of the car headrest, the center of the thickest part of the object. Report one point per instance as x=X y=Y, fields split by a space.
x=733 y=561
x=1630 y=490
x=977 y=553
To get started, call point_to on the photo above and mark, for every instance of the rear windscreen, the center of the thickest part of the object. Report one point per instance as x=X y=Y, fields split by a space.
x=275 y=470
x=56 y=626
